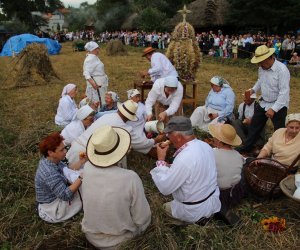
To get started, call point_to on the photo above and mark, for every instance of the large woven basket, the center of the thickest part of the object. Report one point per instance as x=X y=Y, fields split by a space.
x=264 y=175
x=288 y=187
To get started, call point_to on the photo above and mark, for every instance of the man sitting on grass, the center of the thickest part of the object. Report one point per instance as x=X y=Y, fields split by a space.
x=191 y=178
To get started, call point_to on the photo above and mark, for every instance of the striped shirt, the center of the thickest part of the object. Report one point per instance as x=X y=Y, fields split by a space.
x=50 y=182
x=274 y=85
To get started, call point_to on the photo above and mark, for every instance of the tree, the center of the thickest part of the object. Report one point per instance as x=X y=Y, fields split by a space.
x=150 y=19
x=21 y=9
x=275 y=16
x=113 y=13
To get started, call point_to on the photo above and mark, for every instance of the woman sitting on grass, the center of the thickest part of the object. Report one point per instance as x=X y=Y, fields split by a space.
x=284 y=144
x=57 y=200
x=218 y=106
x=229 y=164
x=110 y=106
x=67 y=108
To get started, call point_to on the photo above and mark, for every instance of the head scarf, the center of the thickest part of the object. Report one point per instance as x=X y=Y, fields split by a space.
x=114 y=96
x=67 y=89
x=292 y=117
x=220 y=81
x=132 y=92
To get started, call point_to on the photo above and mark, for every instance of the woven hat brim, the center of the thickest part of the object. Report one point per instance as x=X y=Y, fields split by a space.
x=151 y=50
x=108 y=160
x=215 y=132
x=287 y=185
x=131 y=117
x=258 y=59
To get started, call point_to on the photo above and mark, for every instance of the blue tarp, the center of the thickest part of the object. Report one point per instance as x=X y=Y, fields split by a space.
x=17 y=43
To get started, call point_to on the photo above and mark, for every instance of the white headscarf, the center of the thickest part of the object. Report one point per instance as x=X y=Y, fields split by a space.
x=113 y=95
x=132 y=92
x=67 y=89
x=220 y=81
x=292 y=117
x=90 y=46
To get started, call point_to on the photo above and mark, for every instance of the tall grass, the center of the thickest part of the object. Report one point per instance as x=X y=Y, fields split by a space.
x=27 y=114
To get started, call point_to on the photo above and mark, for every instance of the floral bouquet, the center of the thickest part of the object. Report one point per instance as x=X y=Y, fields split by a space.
x=273 y=224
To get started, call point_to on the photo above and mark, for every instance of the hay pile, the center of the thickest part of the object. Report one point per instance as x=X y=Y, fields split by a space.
x=32 y=67
x=116 y=48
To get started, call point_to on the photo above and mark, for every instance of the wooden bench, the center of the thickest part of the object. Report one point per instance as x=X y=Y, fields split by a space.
x=147 y=85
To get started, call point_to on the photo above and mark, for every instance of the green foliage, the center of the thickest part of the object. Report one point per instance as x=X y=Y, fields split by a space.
x=21 y=10
x=16 y=26
x=78 y=17
x=273 y=16
x=112 y=14
x=150 y=19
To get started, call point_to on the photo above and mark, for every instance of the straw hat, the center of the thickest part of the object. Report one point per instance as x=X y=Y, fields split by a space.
x=262 y=53
x=225 y=133
x=128 y=109
x=147 y=51
x=107 y=146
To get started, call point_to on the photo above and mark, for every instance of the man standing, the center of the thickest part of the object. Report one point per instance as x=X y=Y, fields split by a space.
x=274 y=84
x=166 y=94
x=160 y=65
x=191 y=178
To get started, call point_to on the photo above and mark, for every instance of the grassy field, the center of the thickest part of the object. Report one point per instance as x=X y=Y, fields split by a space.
x=27 y=114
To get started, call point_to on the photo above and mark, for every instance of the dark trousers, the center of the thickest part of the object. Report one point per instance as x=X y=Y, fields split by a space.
x=259 y=121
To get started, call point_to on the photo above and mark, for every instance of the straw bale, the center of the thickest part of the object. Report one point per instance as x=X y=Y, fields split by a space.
x=32 y=67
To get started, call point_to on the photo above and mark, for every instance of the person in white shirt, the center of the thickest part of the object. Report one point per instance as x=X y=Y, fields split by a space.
x=166 y=94
x=245 y=113
x=84 y=118
x=67 y=108
x=114 y=202
x=191 y=178
x=126 y=112
x=160 y=65
x=274 y=84
x=93 y=71
x=139 y=125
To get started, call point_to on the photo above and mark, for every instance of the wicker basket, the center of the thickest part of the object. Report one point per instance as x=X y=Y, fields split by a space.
x=288 y=187
x=264 y=175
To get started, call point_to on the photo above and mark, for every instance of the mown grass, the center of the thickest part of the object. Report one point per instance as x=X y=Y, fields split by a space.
x=27 y=114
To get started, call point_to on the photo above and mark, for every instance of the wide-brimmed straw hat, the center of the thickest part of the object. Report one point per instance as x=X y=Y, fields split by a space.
x=148 y=50
x=262 y=53
x=107 y=146
x=128 y=109
x=225 y=133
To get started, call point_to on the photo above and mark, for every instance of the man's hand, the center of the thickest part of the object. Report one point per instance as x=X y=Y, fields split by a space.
x=270 y=113
x=247 y=121
x=160 y=138
x=143 y=74
x=149 y=117
x=213 y=116
x=162 y=116
x=83 y=158
x=161 y=152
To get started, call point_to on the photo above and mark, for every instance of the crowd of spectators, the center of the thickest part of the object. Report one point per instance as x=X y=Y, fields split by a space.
x=216 y=44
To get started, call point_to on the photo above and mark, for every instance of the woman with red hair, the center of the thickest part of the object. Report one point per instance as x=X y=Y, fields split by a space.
x=57 y=200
